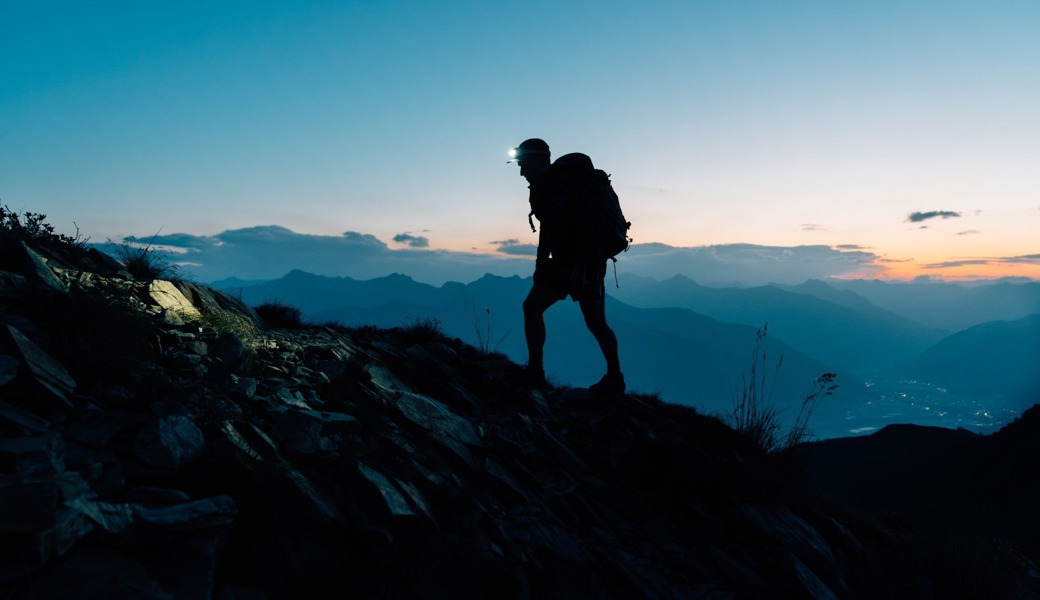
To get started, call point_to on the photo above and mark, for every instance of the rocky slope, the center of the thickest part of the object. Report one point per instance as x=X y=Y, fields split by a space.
x=158 y=440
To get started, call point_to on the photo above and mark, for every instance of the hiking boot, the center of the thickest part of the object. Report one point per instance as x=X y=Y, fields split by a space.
x=611 y=383
x=535 y=377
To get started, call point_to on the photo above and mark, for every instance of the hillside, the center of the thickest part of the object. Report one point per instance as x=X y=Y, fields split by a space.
x=687 y=357
x=942 y=478
x=693 y=348
x=160 y=440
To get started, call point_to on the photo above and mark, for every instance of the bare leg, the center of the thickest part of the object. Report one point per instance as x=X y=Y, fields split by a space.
x=538 y=300
x=594 y=311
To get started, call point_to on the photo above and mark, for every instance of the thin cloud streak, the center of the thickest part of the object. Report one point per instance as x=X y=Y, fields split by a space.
x=1025 y=259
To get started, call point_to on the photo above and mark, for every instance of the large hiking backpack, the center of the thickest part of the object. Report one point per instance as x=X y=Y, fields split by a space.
x=607 y=227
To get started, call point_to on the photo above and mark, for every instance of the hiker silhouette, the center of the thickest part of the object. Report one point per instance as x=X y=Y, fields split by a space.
x=567 y=262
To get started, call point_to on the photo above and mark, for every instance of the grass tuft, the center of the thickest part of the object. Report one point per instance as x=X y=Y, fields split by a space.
x=278 y=314
x=755 y=414
x=144 y=263
x=225 y=321
x=422 y=331
x=484 y=330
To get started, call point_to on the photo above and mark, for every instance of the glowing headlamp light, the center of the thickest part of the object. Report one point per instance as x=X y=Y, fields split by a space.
x=531 y=147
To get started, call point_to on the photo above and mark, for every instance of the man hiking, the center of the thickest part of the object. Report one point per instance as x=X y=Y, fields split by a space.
x=567 y=260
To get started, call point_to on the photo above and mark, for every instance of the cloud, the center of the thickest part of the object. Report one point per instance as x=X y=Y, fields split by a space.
x=177 y=240
x=1025 y=259
x=269 y=252
x=515 y=248
x=747 y=264
x=917 y=217
x=968 y=232
x=948 y=264
x=413 y=241
x=812 y=227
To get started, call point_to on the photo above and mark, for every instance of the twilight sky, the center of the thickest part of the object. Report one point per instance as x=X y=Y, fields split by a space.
x=883 y=139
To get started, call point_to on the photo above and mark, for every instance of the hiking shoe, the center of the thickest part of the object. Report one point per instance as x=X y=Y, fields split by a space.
x=611 y=383
x=535 y=378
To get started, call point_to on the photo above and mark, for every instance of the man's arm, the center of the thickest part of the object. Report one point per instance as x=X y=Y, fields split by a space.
x=542 y=209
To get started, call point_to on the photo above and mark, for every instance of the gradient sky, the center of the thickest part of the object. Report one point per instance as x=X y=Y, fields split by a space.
x=909 y=130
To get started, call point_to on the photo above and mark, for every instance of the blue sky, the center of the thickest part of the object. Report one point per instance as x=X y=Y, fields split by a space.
x=795 y=124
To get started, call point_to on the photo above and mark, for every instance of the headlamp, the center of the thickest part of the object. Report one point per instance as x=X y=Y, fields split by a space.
x=531 y=147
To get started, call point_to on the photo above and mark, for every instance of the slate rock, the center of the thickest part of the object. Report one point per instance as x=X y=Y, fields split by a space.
x=9 y=367
x=137 y=523
x=32 y=457
x=21 y=554
x=23 y=419
x=208 y=299
x=393 y=498
x=26 y=505
x=40 y=272
x=170 y=443
x=47 y=371
x=11 y=284
x=231 y=351
x=434 y=416
x=167 y=297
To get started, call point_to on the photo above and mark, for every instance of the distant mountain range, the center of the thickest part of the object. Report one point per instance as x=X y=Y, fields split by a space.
x=693 y=344
x=848 y=332
x=949 y=306
x=995 y=355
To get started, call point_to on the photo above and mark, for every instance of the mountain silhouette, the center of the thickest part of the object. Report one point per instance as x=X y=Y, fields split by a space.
x=949 y=306
x=942 y=478
x=997 y=355
x=851 y=335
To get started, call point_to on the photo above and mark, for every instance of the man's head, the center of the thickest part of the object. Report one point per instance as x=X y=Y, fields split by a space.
x=533 y=157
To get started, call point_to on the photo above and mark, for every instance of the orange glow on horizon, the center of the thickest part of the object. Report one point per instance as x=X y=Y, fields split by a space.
x=909 y=270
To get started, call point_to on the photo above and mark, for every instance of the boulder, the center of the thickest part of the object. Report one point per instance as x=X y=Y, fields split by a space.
x=167 y=297
x=47 y=371
x=40 y=272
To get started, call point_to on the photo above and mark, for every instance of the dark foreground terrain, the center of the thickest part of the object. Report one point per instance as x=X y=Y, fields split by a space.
x=162 y=440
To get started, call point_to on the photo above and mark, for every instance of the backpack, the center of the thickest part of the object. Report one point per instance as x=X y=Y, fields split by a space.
x=606 y=224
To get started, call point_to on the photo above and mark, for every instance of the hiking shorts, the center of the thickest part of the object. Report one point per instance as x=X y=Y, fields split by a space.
x=578 y=282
